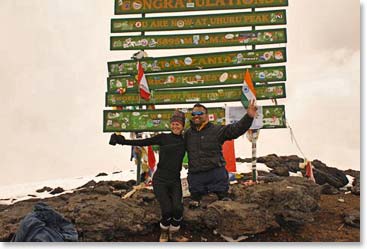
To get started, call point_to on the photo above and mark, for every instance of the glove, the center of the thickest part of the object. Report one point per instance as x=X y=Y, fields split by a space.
x=116 y=139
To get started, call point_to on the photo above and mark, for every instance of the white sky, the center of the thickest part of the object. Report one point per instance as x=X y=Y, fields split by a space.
x=53 y=64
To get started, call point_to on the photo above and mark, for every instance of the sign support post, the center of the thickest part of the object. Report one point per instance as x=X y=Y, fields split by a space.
x=139 y=155
x=254 y=132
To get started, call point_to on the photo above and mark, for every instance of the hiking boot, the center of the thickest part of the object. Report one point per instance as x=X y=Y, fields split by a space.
x=194 y=204
x=164 y=235
x=175 y=236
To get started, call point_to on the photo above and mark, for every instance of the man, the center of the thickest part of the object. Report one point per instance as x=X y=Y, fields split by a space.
x=203 y=142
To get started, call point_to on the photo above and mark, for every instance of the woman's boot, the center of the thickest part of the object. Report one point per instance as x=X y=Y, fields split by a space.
x=175 y=236
x=164 y=235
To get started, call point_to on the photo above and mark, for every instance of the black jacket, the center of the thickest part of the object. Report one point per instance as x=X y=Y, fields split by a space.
x=171 y=153
x=204 y=147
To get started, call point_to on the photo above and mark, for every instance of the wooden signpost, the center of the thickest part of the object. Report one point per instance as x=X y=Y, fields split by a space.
x=241 y=19
x=203 y=40
x=202 y=95
x=190 y=78
x=123 y=7
x=197 y=79
x=158 y=120
x=200 y=61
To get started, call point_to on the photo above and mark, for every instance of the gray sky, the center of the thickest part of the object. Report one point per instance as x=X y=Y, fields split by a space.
x=53 y=75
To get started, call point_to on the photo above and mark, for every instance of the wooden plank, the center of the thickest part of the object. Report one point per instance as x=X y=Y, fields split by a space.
x=241 y=19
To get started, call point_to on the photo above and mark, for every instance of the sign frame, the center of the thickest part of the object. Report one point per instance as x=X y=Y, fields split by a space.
x=138 y=6
x=204 y=40
x=199 y=61
x=213 y=21
x=211 y=110
x=198 y=78
x=213 y=95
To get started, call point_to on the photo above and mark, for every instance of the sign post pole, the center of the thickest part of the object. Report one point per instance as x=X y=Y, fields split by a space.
x=139 y=155
x=254 y=132
x=254 y=159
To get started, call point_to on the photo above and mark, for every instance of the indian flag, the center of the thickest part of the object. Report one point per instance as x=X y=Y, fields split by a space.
x=143 y=83
x=248 y=90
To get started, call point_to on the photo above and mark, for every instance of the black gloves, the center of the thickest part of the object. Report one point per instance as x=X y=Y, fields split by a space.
x=117 y=139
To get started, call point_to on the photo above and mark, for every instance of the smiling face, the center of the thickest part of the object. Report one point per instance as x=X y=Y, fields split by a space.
x=176 y=128
x=199 y=116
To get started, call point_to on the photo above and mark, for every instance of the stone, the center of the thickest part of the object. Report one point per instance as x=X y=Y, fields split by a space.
x=235 y=219
x=57 y=190
x=280 y=171
x=356 y=189
x=44 y=189
x=352 y=218
x=89 y=184
x=327 y=189
x=101 y=174
x=324 y=174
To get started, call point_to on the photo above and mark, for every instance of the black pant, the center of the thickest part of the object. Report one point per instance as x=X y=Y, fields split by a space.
x=211 y=181
x=169 y=196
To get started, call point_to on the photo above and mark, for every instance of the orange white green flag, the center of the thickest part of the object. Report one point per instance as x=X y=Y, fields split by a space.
x=248 y=90
x=248 y=94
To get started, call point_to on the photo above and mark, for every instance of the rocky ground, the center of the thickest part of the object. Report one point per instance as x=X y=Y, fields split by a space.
x=278 y=209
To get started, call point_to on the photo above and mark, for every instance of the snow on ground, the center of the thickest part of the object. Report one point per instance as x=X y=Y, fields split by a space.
x=19 y=192
x=247 y=167
x=350 y=183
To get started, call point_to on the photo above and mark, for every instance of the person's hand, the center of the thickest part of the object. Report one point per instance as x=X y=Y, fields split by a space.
x=117 y=139
x=251 y=109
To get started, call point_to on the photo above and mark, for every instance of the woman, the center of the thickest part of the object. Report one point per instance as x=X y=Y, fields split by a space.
x=166 y=180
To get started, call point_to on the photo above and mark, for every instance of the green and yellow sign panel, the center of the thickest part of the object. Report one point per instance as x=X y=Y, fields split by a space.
x=158 y=120
x=222 y=39
x=204 y=95
x=157 y=6
x=197 y=79
x=243 y=19
x=149 y=120
x=199 y=61
x=273 y=117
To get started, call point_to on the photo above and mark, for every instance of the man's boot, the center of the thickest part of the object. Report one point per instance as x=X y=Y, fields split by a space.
x=195 y=201
x=223 y=196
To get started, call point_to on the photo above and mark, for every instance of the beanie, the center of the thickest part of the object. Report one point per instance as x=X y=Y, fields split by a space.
x=178 y=116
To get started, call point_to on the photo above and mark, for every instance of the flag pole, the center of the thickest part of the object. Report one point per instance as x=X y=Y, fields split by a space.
x=139 y=154
x=254 y=132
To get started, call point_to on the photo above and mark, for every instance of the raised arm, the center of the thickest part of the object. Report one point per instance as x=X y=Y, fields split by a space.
x=233 y=131
x=119 y=139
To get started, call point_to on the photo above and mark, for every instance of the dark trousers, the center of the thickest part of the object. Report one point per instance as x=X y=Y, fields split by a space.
x=211 y=181
x=169 y=196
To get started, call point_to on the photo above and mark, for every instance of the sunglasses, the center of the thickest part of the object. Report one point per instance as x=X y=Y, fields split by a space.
x=199 y=113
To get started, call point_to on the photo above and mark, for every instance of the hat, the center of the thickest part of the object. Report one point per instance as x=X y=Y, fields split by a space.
x=178 y=116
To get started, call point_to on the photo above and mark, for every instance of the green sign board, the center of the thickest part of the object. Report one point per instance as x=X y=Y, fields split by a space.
x=222 y=39
x=267 y=116
x=274 y=117
x=156 y=6
x=242 y=19
x=149 y=120
x=204 y=95
x=158 y=120
x=200 y=61
x=198 y=78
